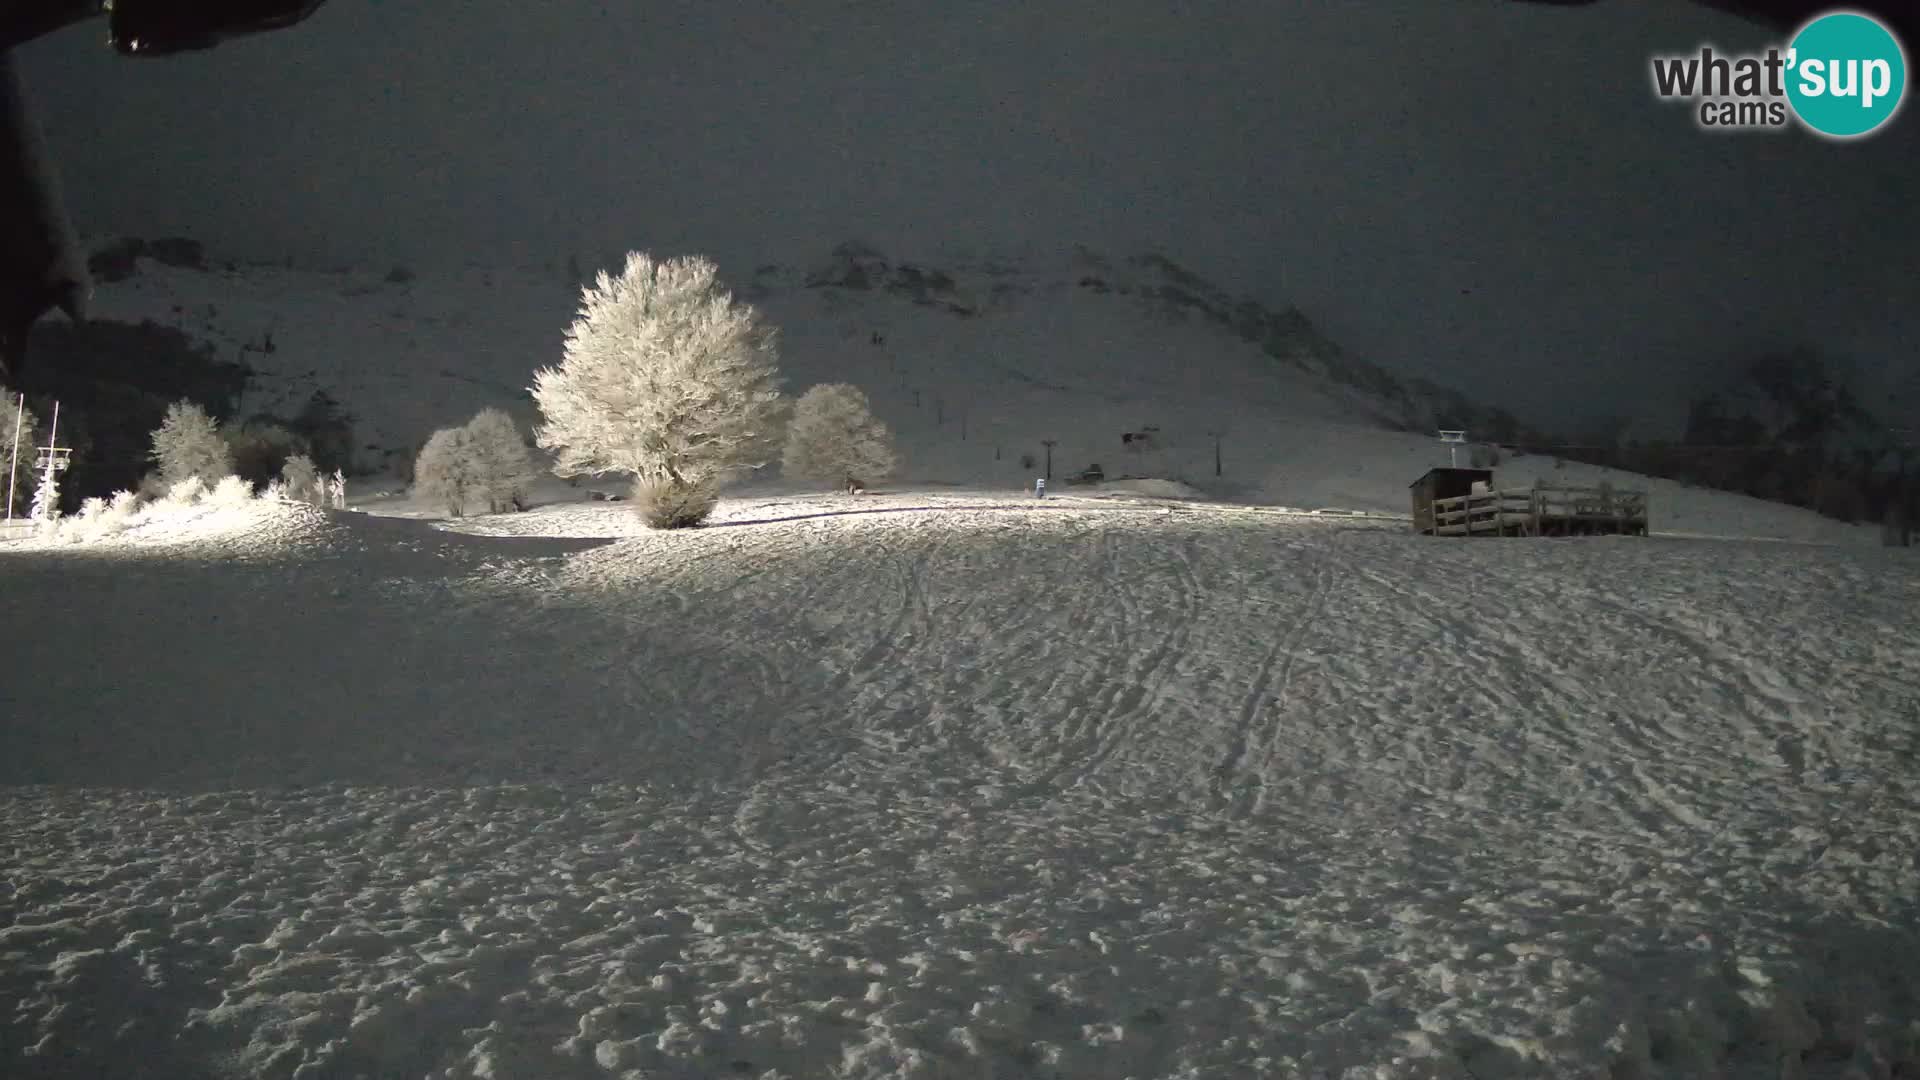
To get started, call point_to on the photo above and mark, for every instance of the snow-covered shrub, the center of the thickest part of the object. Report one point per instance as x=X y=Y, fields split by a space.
x=299 y=480
x=99 y=519
x=502 y=468
x=187 y=443
x=86 y=525
x=665 y=378
x=833 y=437
x=231 y=492
x=152 y=488
x=444 y=470
x=188 y=491
x=276 y=491
x=663 y=504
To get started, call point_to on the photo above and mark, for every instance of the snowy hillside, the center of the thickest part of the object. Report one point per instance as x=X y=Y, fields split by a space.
x=1079 y=352
x=953 y=786
x=975 y=364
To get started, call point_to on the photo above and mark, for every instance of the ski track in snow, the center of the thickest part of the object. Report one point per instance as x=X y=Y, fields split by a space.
x=970 y=789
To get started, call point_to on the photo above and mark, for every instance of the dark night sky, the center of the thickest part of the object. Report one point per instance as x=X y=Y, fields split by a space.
x=1368 y=162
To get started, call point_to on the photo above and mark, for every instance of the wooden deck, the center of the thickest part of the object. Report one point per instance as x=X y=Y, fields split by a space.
x=1540 y=511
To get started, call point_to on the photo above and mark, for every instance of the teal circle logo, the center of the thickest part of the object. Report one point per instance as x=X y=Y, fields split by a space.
x=1846 y=74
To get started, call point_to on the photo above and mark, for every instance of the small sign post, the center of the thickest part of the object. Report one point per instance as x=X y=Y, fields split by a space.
x=1453 y=439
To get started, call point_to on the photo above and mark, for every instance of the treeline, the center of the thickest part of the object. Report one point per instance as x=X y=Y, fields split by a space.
x=1790 y=431
x=1858 y=486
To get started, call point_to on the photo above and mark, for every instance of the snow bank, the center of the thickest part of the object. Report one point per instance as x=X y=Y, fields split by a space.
x=1153 y=488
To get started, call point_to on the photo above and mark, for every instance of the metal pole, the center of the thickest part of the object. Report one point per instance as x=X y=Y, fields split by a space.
x=13 y=470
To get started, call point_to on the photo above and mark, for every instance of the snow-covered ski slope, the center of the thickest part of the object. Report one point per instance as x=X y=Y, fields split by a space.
x=977 y=364
x=939 y=785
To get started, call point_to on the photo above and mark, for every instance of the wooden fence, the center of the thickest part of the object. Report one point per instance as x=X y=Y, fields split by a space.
x=1542 y=511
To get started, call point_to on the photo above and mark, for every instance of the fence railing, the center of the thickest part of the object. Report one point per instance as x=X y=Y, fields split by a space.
x=1540 y=511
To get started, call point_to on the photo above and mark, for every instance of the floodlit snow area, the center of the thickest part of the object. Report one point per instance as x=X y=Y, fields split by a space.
x=954 y=786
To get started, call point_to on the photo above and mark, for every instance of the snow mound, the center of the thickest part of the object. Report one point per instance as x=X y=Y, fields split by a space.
x=254 y=528
x=1153 y=488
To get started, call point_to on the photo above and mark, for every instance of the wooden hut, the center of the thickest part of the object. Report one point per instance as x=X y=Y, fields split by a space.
x=1445 y=482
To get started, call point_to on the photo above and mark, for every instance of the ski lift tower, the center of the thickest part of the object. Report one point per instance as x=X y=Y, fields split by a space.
x=1453 y=440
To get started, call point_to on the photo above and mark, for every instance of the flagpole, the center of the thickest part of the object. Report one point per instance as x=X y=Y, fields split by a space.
x=13 y=470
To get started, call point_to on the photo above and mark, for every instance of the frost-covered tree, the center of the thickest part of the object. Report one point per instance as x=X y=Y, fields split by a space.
x=17 y=428
x=833 y=437
x=300 y=481
x=502 y=467
x=665 y=378
x=444 y=470
x=188 y=443
x=46 y=496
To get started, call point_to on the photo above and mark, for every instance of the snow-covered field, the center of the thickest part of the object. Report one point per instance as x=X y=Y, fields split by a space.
x=954 y=786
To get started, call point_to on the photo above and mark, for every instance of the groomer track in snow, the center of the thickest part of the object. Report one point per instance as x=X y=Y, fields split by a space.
x=976 y=789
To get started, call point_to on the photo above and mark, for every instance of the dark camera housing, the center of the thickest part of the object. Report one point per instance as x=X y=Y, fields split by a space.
x=163 y=27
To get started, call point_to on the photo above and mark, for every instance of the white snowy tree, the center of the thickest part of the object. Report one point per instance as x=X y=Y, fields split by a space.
x=502 y=467
x=23 y=425
x=665 y=378
x=834 y=437
x=188 y=443
x=444 y=470
x=300 y=481
x=46 y=497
